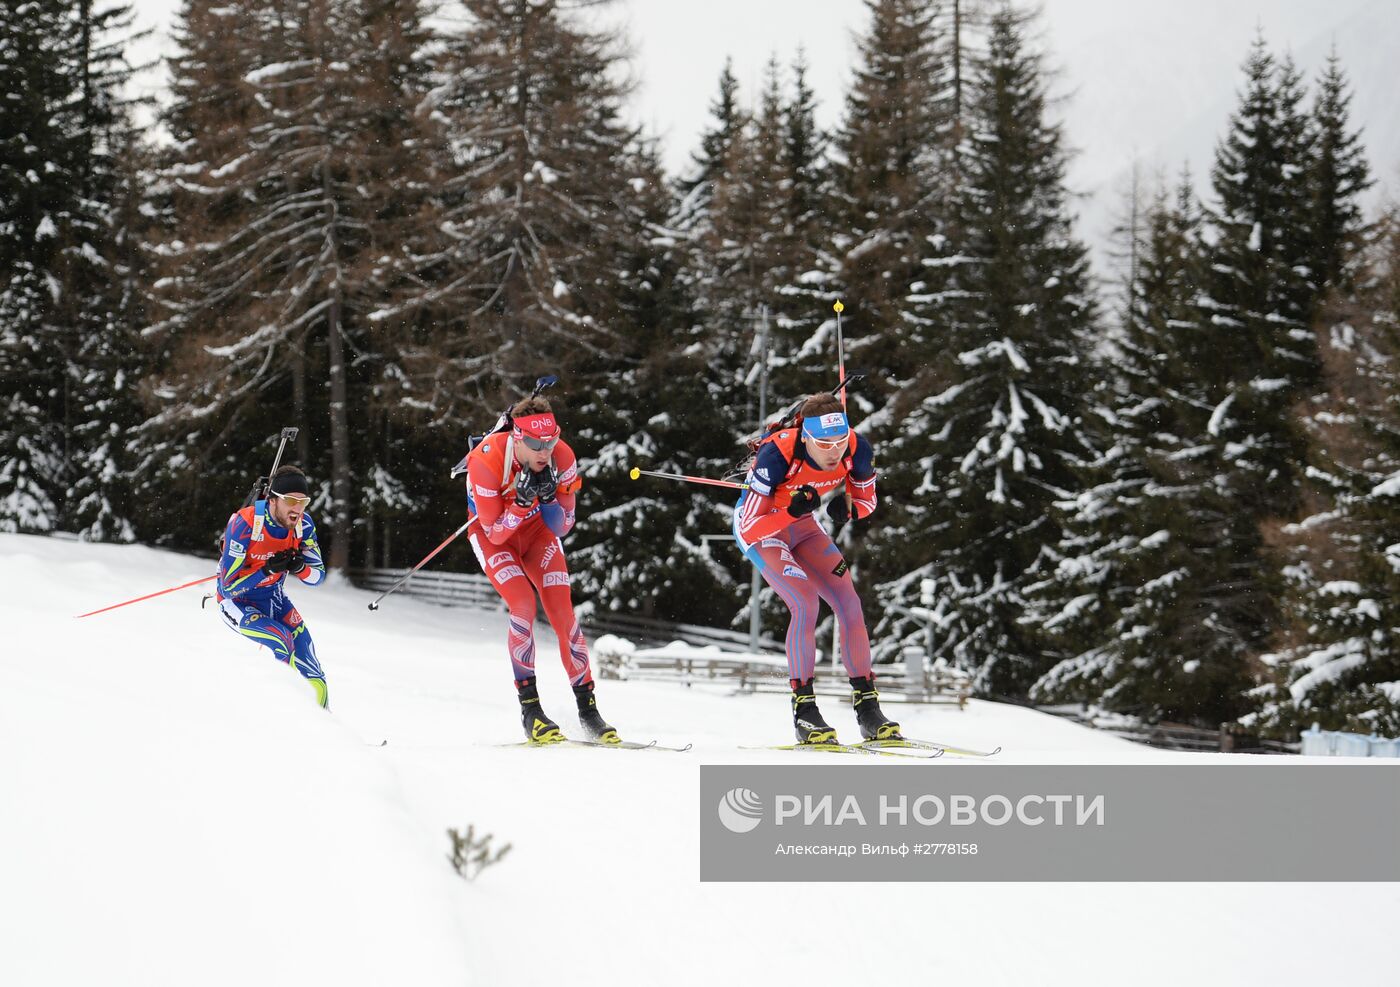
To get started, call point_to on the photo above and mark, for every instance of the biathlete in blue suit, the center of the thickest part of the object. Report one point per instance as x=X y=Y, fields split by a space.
x=263 y=545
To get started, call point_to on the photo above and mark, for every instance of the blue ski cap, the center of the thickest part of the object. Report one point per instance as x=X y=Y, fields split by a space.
x=826 y=428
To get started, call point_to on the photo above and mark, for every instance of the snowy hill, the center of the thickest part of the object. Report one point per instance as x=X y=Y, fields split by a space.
x=174 y=809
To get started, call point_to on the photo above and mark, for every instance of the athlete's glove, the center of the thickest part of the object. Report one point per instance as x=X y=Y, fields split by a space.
x=545 y=486
x=839 y=511
x=282 y=561
x=804 y=501
x=296 y=563
x=524 y=489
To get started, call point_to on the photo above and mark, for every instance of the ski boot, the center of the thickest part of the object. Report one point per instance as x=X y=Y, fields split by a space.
x=590 y=719
x=539 y=729
x=807 y=719
x=874 y=724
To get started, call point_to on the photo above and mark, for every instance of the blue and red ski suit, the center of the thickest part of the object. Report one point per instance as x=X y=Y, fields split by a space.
x=254 y=602
x=795 y=555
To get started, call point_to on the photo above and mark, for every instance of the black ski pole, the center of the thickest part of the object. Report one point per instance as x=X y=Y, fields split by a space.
x=289 y=434
x=428 y=558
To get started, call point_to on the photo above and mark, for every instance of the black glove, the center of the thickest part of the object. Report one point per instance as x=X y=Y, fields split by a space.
x=524 y=489
x=545 y=485
x=296 y=563
x=839 y=511
x=804 y=501
x=282 y=561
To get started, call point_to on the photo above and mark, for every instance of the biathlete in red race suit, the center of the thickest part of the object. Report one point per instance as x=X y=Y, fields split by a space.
x=776 y=530
x=521 y=493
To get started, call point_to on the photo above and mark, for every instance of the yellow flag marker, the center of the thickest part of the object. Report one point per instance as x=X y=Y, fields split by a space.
x=839 y=308
x=635 y=473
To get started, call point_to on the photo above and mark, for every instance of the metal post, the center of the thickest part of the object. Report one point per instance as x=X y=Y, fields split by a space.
x=755 y=581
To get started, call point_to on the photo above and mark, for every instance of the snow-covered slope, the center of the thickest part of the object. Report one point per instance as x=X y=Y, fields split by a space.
x=174 y=809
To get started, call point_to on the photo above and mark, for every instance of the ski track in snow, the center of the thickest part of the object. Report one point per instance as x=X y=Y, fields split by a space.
x=174 y=809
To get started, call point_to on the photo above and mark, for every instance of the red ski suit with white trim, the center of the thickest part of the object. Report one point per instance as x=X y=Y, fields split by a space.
x=521 y=553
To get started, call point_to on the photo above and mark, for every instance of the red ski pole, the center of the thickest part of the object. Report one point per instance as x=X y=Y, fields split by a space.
x=160 y=592
x=636 y=473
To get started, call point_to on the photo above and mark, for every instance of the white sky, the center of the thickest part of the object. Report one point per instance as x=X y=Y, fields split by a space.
x=1148 y=79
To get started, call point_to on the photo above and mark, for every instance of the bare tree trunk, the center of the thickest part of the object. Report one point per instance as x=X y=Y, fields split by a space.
x=340 y=440
x=957 y=69
x=303 y=447
x=340 y=431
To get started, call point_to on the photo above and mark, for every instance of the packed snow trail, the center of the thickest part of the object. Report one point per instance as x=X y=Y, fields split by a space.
x=175 y=810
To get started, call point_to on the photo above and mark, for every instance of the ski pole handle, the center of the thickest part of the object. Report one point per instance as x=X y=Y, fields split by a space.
x=428 y=558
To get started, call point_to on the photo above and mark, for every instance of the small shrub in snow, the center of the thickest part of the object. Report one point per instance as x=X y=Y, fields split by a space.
x=472 y=854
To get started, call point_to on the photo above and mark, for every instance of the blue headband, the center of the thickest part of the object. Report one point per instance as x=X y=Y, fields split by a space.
x=826 y=427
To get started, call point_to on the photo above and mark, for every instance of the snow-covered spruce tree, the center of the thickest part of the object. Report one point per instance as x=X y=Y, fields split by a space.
x=654 y=402
x=887 y=156
x=1149 y=602
x=802 y=355
x=67 y=302
x=1338 y=177
x=805 y=147
x=537 y=205
x=996 y=441
x=883 y=196
x=710 y=161
x=280 y=206
x=1337 y=663
x=1260 y=292
x=558 y=259
x=745 y=249
x=742 y=250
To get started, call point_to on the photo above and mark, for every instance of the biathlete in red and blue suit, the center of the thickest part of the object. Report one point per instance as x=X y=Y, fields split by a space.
x=776 y=530
x=260 y=552
x=522 y=487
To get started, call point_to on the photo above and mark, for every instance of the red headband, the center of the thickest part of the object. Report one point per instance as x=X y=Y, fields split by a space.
x=537 y=426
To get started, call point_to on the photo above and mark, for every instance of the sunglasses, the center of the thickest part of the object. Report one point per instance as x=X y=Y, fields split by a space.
x=539 y=445
x=293 y=500
x=826 y=446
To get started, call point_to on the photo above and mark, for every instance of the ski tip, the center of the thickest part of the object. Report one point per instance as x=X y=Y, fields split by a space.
x=634 y=473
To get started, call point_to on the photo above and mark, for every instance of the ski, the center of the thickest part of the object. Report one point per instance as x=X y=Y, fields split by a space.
x=848 y=749
x=625 y=745
x=930 y=745
x=621 y=745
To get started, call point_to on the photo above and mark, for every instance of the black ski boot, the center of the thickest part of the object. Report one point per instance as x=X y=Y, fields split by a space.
x=874 y=724
x=807 y=719
x=539 y=729
x=590 y=719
